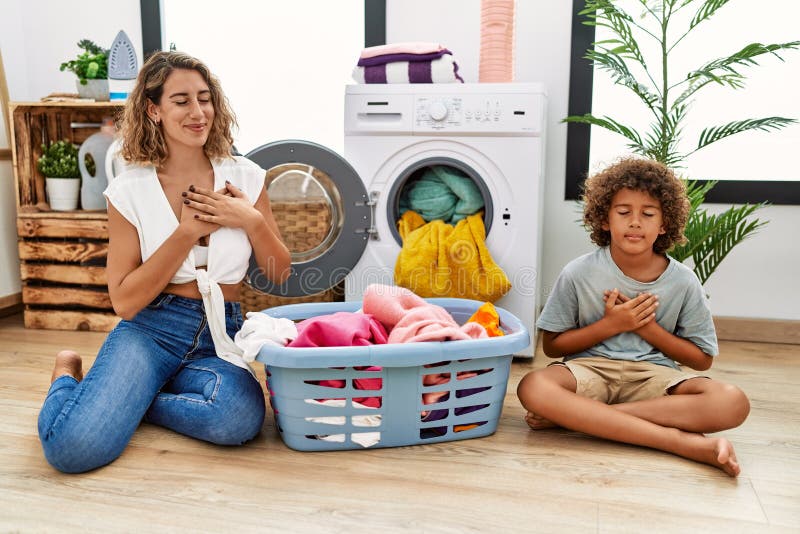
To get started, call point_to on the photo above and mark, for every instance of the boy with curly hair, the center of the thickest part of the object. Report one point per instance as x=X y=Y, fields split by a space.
x=625 y=318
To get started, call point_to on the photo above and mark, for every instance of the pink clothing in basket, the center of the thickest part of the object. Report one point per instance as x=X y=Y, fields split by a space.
x=341 y=329
x=344 y=329
x=409 y=318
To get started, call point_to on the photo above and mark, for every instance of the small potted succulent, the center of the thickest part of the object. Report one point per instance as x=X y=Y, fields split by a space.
x=59 y=164
x=91 y=68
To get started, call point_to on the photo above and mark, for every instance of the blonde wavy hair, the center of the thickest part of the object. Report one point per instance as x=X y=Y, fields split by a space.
x=649 y=176
x=142 y=139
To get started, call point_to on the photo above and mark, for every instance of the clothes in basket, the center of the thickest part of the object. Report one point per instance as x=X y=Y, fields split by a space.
x=294 y=375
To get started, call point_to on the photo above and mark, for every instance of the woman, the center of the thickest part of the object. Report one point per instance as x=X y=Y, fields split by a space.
x=182 y=226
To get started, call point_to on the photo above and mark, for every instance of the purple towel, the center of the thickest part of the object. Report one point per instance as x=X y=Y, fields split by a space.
x=441 y=70
x=418 y=72
x=375 y=74
x=389 y=58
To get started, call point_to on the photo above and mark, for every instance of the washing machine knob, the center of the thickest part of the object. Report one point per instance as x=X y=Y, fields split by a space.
x=437 y=110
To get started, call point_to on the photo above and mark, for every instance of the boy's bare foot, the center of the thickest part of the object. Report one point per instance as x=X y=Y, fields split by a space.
x=68 y=362
x=717 y=452
x=726 y=457
x=537 y=422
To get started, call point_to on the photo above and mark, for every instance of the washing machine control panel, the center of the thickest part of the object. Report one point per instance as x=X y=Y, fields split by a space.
x=511 y=113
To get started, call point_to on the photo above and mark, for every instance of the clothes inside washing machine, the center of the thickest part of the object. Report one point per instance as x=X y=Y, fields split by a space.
x=442 y=260
x=441 y=192
x=443 y=237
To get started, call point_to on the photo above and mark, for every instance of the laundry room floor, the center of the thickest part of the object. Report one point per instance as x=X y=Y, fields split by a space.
x=516 y=480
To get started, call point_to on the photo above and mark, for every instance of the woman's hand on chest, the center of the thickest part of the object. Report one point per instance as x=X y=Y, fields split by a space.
x=227 y=207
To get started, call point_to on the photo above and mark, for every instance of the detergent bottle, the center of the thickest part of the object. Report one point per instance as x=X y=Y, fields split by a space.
x=93 y=185
x=114 y=163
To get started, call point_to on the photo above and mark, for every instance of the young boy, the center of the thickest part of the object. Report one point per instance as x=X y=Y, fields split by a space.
x=623 y=318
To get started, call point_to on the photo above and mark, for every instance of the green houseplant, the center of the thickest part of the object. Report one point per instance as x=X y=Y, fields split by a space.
x=59 y=164
x=91 y=68
x=667 y=100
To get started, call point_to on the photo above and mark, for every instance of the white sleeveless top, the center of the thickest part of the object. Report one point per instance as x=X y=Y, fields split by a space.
x=200 y=255
x=138 y=196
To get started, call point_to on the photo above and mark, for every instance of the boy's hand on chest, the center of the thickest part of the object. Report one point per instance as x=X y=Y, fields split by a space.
x=626 y=314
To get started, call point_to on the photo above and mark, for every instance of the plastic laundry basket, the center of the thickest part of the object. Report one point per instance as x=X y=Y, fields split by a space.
x=312 y=415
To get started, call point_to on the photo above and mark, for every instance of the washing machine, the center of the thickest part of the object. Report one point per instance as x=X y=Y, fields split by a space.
x=491 y=133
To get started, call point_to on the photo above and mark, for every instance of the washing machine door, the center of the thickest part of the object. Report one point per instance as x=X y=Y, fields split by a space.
x=322 y=211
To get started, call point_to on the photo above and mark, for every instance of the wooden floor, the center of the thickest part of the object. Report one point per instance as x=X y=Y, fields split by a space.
x=514 y=481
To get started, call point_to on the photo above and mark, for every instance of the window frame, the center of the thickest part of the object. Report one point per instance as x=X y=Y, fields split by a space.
x=374 y=24
x=778 y=192
x=154 y=38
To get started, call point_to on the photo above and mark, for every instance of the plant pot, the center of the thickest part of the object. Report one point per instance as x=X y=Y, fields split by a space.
x=63 y=193
x=96 y=89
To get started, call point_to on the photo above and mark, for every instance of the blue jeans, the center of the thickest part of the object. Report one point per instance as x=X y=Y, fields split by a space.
x=159 y=367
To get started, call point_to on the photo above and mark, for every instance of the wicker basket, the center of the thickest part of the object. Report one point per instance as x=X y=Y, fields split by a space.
x=304 y=225
x=254 y=300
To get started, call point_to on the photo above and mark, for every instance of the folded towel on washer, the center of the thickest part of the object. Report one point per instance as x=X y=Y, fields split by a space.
x=441 y=260
x=392 y=58
x=410 y=47
x=444 y=193
x=409 y=318
x=442 y=70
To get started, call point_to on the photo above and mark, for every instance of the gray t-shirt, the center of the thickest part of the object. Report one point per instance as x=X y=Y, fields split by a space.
x=577 y=301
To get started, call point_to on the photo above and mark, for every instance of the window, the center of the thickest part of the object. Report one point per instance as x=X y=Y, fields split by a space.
x=282 y=65
x=762 y=168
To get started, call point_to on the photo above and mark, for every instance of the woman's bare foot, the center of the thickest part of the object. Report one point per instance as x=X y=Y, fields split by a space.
x=68 y=362
x=537 y=422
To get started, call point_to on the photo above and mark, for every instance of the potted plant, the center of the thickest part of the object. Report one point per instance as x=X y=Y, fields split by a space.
x=666 y=98
x=59 y=164
x=91 y=68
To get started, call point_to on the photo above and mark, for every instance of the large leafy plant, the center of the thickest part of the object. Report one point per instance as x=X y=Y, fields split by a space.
x=667 y=99
x=91 y=64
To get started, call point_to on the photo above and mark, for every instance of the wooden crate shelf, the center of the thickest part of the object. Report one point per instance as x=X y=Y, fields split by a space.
x=46 y=225
x=63 y=271
x=70 y=320
x=62 y=254
x=63 y=274
x=35 y=123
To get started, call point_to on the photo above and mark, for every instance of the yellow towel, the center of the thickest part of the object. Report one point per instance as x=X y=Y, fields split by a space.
x=439 y=260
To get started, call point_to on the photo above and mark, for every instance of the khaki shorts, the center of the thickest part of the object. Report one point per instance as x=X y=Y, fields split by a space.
x=615 y=381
